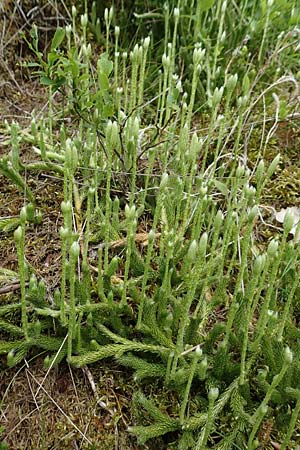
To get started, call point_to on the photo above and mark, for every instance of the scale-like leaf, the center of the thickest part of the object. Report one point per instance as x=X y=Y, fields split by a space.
x=7 y=274
x=221 y=187
x=105 y=65
x=103 y=81
x=7 y=170
x=9 y=223
x=57 y=38
x=205 y=5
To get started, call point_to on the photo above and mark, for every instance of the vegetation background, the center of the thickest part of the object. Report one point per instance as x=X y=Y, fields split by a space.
x=149 y=220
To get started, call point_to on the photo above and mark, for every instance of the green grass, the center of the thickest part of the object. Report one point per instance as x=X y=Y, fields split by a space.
x=165 y=264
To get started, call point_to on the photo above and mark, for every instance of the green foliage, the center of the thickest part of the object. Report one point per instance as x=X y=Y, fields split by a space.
x=164 y=424
x=182 y=290
x=3 y=445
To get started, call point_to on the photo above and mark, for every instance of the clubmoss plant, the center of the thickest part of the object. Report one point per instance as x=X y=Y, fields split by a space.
x=74 y=253
x=169 y=262
x=202 y=441
x=243 y=266
x=145 y=46
x=111 y=143
x=136 y=60
x=130 y=214
x=197 y=355
x=263 y=408
x=19 y=236
x=292 y=424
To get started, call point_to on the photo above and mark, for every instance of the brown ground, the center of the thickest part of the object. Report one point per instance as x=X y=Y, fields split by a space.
x=59 y=410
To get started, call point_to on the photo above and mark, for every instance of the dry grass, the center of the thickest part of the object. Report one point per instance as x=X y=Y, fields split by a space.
x=60 y=410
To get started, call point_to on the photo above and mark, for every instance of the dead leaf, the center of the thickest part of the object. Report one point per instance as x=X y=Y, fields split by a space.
x=280 y=215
